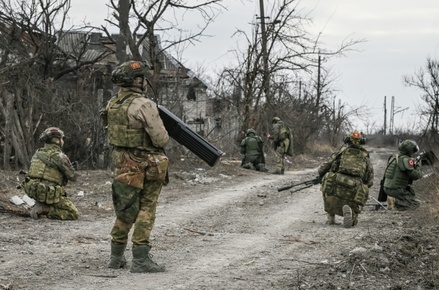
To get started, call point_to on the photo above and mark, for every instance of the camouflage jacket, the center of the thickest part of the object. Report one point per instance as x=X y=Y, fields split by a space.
x=51 y=164
x=142 y=115
x=251 y=145
x=401 y=171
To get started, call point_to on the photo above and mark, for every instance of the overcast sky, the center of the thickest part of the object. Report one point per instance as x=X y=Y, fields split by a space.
x=399 y=34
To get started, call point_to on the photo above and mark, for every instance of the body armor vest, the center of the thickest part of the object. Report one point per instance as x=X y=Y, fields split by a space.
x=119 y=132
x=251 y=146
x=42 y=166
x=352 y=162
x=394 y=177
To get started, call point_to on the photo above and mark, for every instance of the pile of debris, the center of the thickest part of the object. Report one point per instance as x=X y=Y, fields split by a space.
x=17 y=205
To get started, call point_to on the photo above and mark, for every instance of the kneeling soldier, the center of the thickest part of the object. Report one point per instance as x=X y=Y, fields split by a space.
x=49 y=172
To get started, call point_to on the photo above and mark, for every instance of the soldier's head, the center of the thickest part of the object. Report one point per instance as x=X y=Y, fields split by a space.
x=275 y=120
x=250 y=132
x=131 y=74
x=355 y=138
x=52 y=135
x=408 y=147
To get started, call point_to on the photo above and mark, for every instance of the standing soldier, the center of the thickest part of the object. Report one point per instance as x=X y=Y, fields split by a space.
x=138 y=137
x=346 y=179
x=401 y=170
x=50 y=170
x=282 y=143
x=252 y=147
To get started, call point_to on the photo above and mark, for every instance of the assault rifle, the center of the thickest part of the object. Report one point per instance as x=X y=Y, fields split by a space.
x=306 y=184
x=426 y=158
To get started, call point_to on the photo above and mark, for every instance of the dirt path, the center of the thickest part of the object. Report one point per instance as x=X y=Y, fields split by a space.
x=225 y=229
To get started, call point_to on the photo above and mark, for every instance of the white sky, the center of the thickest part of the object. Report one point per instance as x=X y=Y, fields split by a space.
x=399 y=34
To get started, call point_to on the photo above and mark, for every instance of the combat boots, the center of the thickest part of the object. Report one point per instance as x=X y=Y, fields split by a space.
x=142 y=262
x=247 y=165
x=331 y=219
x=347 y=217
x=261 y=167
x=279 y=171
x=117 y=258
x=39 y=209
x=390 y=203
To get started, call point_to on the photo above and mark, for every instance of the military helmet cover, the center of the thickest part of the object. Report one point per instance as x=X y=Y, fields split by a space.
x=250 y=131
x=125 y=73
x=408 y=147
x=51 y=132
x=275 y=120
x=355 y=138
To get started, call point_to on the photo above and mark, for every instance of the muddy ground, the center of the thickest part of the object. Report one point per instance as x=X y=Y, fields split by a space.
x=227 y=228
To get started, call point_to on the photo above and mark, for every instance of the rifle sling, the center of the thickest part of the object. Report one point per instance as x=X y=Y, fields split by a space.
x=46 y=161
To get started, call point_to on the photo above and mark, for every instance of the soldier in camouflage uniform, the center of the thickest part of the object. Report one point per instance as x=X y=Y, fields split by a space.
x=346 y=179
x=140 y=165
x=401 y=170
x=49 y=172
x=282 y=143
x=252 y=147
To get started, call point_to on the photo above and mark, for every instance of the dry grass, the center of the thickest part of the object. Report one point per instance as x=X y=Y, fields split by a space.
x=317 y=149
x=427 y=190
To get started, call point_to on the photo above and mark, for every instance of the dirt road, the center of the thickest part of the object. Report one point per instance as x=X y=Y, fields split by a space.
x=226 y=228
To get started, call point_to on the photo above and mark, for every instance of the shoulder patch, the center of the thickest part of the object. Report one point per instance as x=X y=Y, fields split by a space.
x=412 y=162
x=134 y=65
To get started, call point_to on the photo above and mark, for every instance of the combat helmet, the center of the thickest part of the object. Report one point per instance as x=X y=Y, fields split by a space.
x=50 y=133
x=408 y=147
x=250 y=131
x=355 y=138
x=275 y=120
x=125 y=73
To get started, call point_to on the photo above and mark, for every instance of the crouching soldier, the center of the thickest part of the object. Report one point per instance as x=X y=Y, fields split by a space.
x=346 y=179
x=49 y=172
x=252 y=147
x=402 y=169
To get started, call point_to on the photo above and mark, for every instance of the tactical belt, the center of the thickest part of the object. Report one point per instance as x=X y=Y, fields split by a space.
x=139 y=152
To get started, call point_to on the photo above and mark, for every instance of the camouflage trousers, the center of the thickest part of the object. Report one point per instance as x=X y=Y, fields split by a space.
x=333 y=205
x=405 y=198
x=63 y=210
x=280 y=160
x=144 y=222
x=253 y=160
x=280 y=156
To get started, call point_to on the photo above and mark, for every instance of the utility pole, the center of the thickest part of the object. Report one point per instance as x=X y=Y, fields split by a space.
x=385 y=117
x=393 y=113
x=319 y=90
x=266 y=75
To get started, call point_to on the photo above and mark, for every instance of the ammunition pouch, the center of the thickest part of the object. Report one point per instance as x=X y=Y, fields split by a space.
x=328 y=184
x=41 y=192
x=157 y=167
x=132 y=171
x=140 y=165
x=362 y=195
x=345 y=187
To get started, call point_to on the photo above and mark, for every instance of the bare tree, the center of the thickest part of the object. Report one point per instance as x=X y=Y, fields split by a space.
x=41 y=72
x=152 y=22
x=427 y=81
x=289 y=54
